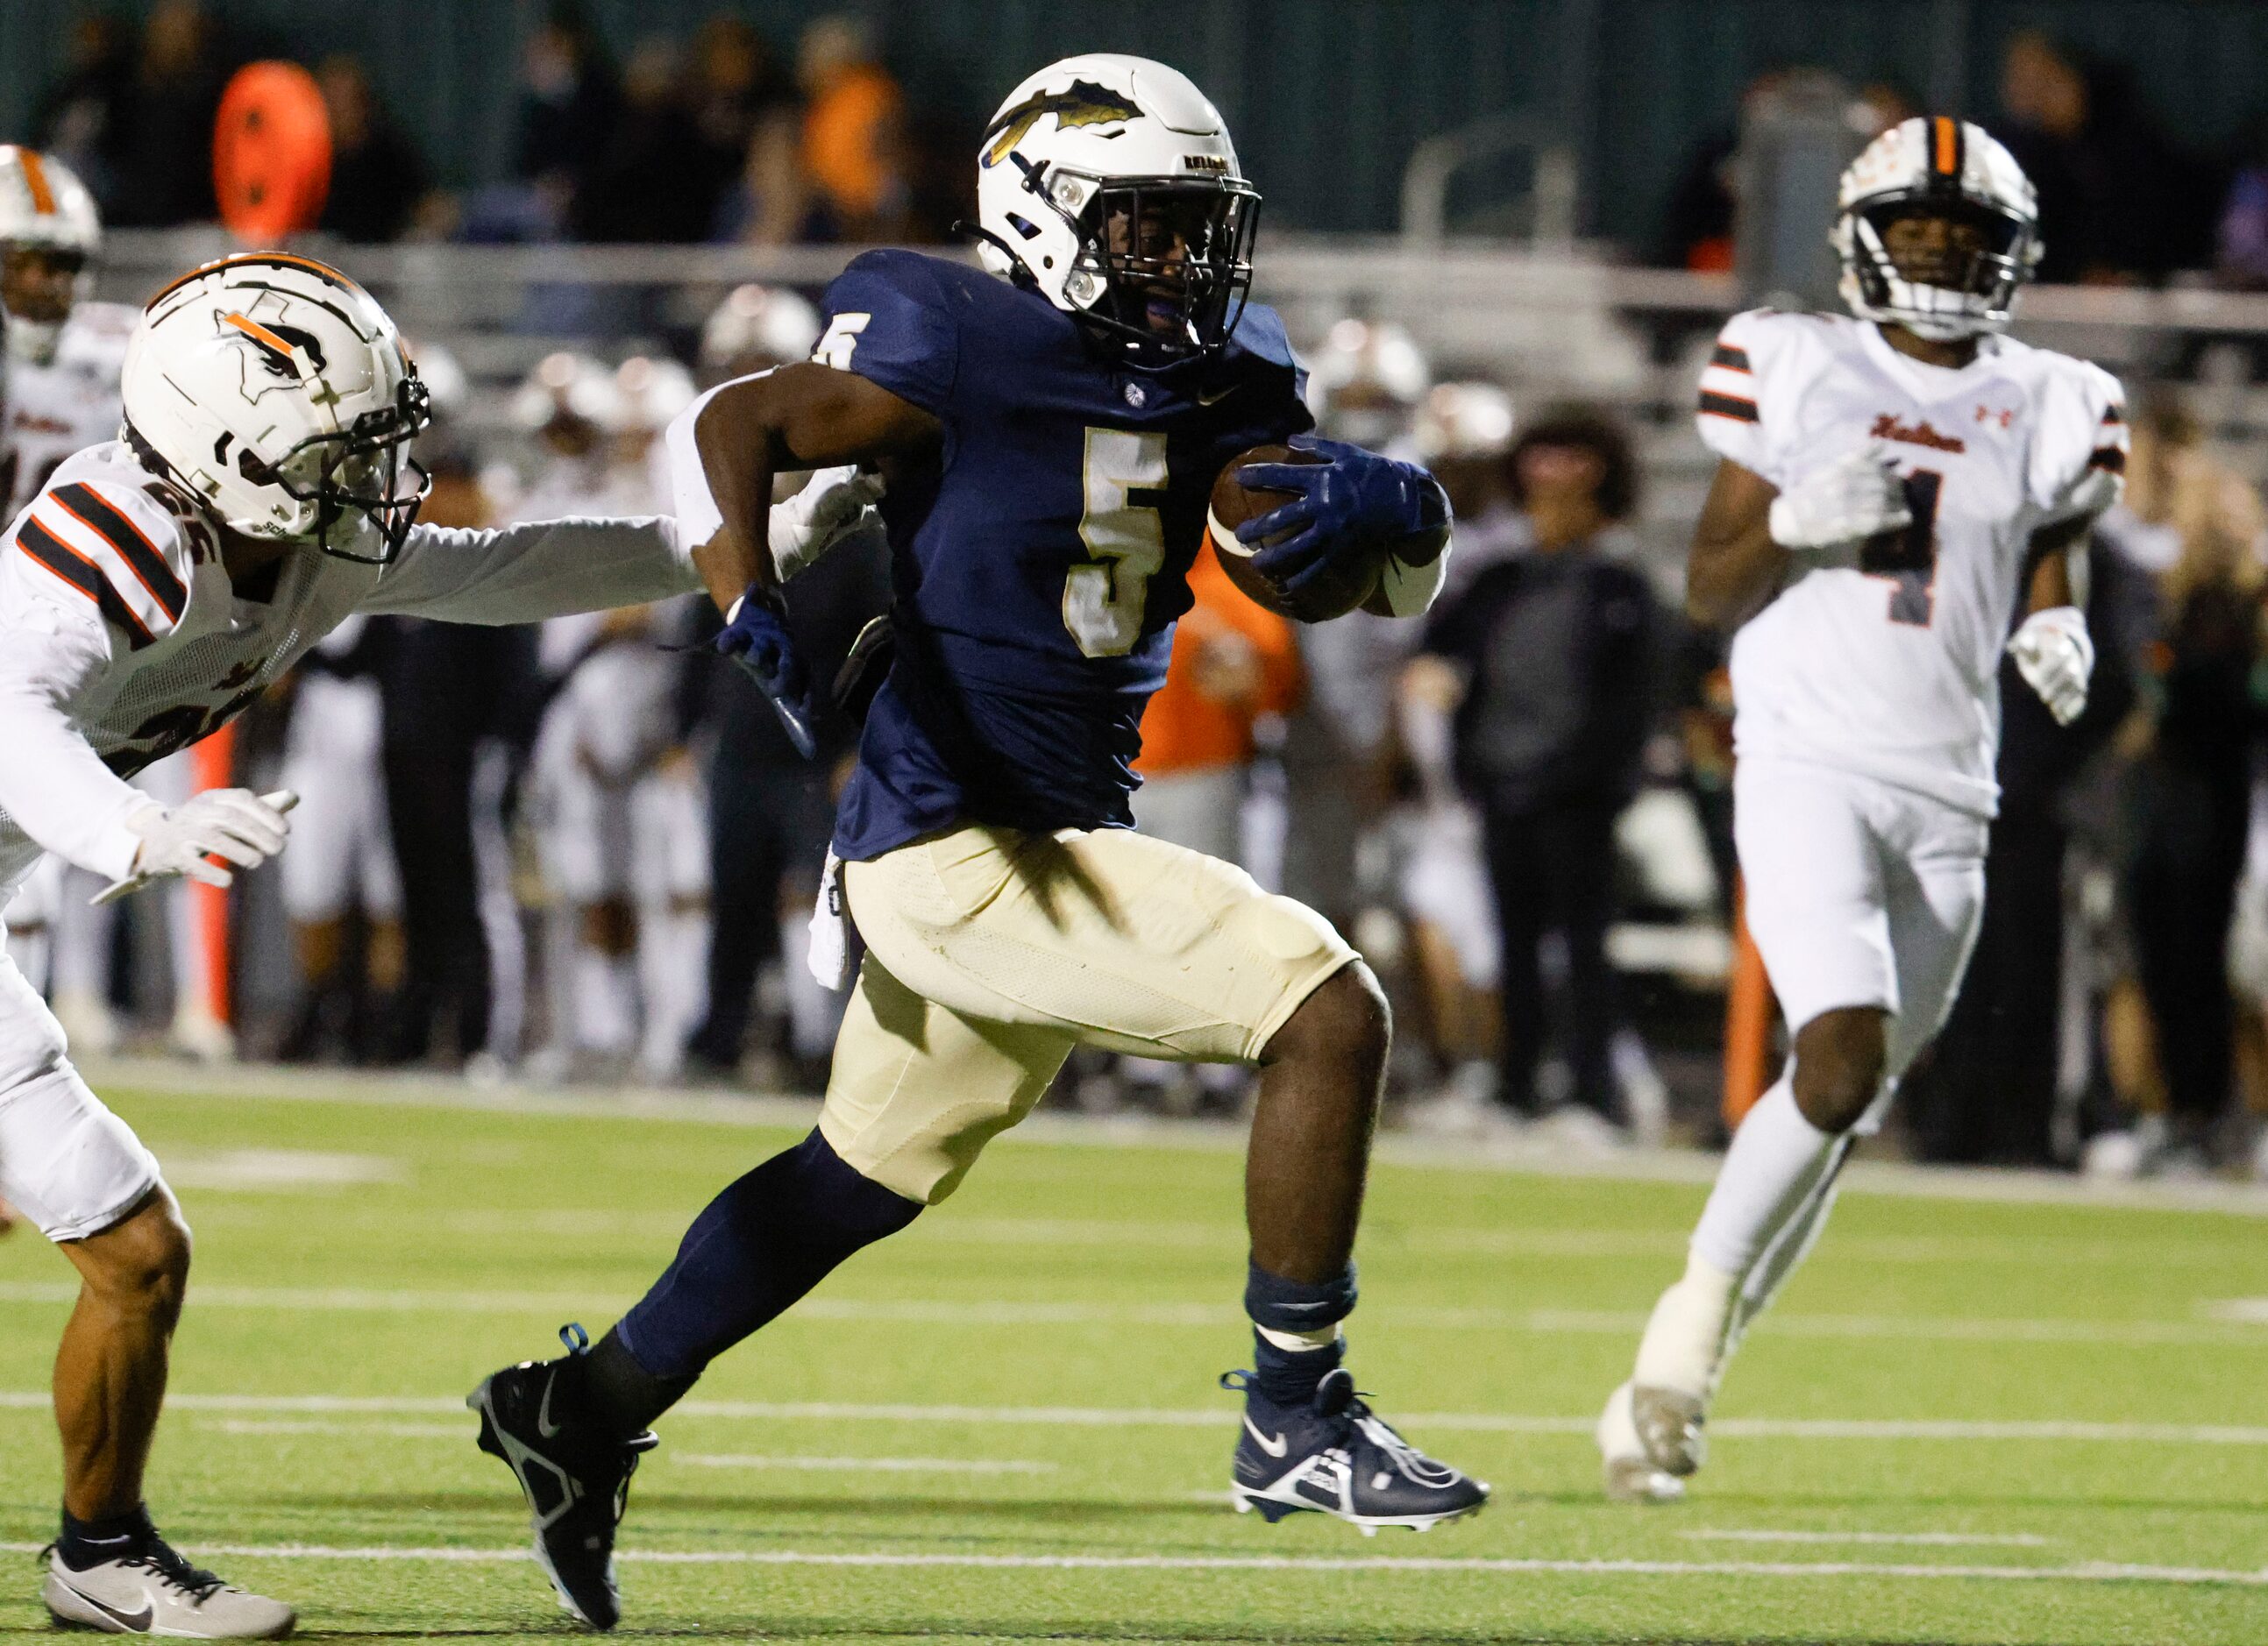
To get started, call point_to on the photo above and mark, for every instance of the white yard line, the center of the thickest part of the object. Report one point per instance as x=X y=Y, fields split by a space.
x=877 y=1465
x=2243 y=1335
x=317 y=1426
x=1382 y=1238
x=241 y=1081
x=1932 y=1539
x=2086 y=1572
x=1211 y=1417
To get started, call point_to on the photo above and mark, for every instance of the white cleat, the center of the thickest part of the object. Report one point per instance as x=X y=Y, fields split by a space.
x=158 y=1592
x=1630 y=1475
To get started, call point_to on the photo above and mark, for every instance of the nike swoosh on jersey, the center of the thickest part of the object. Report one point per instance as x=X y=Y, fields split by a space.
x=1275 y=1447
x=132 y=1622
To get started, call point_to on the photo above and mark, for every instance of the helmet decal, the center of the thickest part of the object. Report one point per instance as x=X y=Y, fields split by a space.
x=280 y=346
x=1085 y=104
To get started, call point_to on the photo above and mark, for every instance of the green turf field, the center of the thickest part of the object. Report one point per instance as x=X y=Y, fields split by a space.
x=1969 y=1420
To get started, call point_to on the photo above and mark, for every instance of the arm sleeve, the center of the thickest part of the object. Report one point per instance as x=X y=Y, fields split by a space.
x=2078 y=459
x=1729 y=410
x=887 y=321
x=524 y=574
x=52 y=783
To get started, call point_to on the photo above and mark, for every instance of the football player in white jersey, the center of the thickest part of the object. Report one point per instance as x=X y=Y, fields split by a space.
x=263 y=493
x=63 y=354
x=1900 y=489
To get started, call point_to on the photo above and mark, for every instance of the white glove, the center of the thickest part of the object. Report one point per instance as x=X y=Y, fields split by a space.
x=1853 y=498
x=836 y=504
x=2056 y=658
x=233 y=824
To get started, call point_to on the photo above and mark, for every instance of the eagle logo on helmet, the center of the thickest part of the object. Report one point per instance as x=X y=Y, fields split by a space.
x=1085 y=104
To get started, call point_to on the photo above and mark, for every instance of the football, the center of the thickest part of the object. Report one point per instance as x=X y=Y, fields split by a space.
x=1232 y=502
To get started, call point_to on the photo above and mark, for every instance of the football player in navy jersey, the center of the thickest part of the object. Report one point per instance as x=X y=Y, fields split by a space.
x=1044 y=434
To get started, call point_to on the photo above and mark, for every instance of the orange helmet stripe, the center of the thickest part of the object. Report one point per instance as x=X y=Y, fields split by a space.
x=265 y=338
x=1948 y=147
x=35 y=178
x=323 y=270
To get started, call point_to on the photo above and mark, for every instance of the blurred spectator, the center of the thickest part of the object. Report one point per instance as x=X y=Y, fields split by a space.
x=2241 y=244
x=378 y=178
x=2192 y=796
x=80 y=119
x=2119 y=201
x=852 y=129
x=651 y=182
x=1549 y=656
x=1232 y=663
x=1696 y=230
x=568 y=104
x=163 y=173
x=1364 y=384
x=1987 y=1092
x=732 y=88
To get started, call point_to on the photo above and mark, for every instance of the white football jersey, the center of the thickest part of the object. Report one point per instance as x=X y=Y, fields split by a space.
x=122 y=637
x=71 y=402
x=1887 y=661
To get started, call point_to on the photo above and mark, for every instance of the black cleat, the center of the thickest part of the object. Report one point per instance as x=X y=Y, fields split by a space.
x=577 y=1483
x=1335 y=1456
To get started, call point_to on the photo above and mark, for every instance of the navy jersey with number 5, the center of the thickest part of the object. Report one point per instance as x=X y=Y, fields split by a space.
x=1038 y=563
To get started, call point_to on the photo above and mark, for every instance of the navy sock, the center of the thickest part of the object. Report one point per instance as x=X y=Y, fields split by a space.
x=85 y=1543
x=764 y=1242
x=1289 y=1377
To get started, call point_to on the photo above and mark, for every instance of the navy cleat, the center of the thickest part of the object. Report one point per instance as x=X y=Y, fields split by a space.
x=1335 y=1456
x=577 y=1483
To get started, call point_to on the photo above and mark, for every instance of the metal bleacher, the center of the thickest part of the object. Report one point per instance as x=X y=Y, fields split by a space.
x=1552 y=320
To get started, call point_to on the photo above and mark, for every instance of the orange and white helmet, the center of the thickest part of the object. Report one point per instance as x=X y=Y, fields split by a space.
x=43 y=206
x=275 y=391
x=1948 y=169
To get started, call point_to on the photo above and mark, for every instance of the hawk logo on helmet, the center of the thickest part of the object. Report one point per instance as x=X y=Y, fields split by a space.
x=280 y=348
x=1085 y=104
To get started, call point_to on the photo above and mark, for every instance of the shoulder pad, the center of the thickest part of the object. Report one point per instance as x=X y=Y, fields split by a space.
x=1260 y=332
x=115 y=546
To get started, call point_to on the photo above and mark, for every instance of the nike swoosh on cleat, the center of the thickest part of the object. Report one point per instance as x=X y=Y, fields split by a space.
x=1216 y=398
x=132 y=1622
x=1275 y=1447
x=544 y=1426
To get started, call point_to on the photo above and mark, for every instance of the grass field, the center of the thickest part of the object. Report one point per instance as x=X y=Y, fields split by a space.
x=1970 y=1420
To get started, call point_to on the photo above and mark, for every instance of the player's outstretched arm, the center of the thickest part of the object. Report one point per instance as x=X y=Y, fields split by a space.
x=800 y=416
x=1734 y=566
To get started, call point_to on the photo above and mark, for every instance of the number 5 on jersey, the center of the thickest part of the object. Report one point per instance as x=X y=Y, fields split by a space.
x=834 y=350
x=1102 y=603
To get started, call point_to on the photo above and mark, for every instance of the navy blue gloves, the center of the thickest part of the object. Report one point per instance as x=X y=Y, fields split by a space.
x=1348 y=503
x=756 y=637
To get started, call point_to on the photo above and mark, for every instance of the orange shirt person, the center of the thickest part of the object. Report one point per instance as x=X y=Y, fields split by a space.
x=1231 y=663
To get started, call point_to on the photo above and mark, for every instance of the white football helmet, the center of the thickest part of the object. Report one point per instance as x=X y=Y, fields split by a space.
x=1464 y=422
x=1937 y=167
x=566 y=385
x=448 y=390
x=1366 y=380
x=648 y=393
x=43 y=207
x=1109 y=185
x=770 y=324
x=274 y=391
